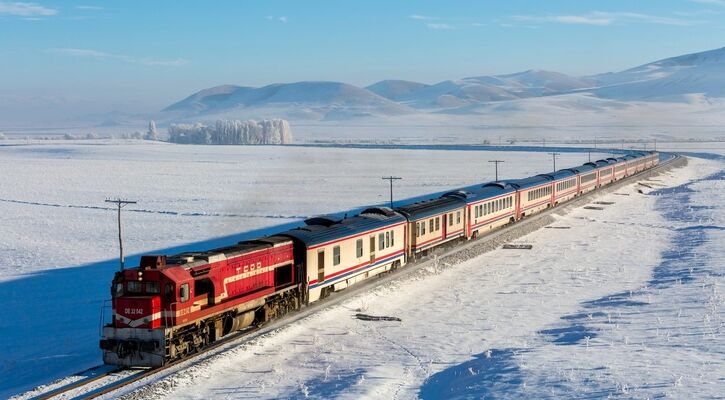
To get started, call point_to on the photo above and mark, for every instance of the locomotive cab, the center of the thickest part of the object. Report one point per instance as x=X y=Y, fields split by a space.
x=137 y=299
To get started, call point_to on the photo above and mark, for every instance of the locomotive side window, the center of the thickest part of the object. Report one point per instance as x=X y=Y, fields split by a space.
x=170 y=292
x=133 y=287
x=119 y=290
x=184 y=293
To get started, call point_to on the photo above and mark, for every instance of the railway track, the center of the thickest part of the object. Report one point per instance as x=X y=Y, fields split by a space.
x=74 y=390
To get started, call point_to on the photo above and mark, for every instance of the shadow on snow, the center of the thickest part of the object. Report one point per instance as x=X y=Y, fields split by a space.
x=487 y=374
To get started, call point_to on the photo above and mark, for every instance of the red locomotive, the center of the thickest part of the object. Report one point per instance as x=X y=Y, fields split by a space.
x=169 y=307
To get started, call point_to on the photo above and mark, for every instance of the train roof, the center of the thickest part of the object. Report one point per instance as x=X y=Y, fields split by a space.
x=479 y=192
x=560 y=174
x=427 y=208
x=195 y=258
x=583 y=168
x=602 y=163
x=325 y=228
x=530 y=181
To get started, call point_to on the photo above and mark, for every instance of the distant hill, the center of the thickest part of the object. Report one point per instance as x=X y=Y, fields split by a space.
x=686 y=78
x=324 y=97
x=668 y=79
x=395 y=89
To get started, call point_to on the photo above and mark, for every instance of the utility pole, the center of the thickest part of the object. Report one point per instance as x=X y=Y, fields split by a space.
x=553 y=155
x=391 y=179
x=120 y=204
x=496 y=166
x=590 y=156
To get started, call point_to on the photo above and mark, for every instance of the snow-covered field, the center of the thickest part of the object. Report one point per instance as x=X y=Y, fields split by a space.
x=59 y=237
x=625 y=303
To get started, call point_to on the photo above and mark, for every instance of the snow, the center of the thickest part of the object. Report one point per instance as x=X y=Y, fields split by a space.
x=626 y=303
x=58 y=247
x=599 y=309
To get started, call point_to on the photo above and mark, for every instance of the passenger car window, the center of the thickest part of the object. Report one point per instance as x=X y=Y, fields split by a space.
x=359 y=248
x=336 y=255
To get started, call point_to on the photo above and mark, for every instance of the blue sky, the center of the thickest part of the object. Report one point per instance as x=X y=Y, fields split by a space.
x=142 y=55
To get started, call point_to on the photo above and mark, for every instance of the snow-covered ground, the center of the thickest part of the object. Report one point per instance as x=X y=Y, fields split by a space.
x=59 y=237
x=625 y=303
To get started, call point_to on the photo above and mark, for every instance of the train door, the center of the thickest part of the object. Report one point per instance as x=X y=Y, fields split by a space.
x=320 y=266
x=372 y=249
x=578 y=185
x=553 y=194
x=444 y=222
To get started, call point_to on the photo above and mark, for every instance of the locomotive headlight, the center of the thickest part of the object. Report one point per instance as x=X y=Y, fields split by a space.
x=140 y=275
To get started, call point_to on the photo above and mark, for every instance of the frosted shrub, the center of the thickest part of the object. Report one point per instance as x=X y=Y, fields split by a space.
x=232 y=132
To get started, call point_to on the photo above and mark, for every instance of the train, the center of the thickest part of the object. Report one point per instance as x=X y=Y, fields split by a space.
x=169 y=307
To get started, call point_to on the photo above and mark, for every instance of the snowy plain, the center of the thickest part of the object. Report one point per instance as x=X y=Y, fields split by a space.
x=626 y=302
x=58 y=247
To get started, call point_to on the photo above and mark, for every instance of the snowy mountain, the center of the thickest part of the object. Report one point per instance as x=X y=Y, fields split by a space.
x=685 y=79
x=395 y=89
x=535 y=82
x=669 y=79
x=479 y=89
x=324 y=97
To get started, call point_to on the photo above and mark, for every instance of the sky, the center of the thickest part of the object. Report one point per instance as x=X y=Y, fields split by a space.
x=82 y=57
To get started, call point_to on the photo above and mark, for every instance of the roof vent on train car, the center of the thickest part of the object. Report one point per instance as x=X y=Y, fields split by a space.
x=385 y=211
x=458 y=193
x=324 y=220
x=152 y=262
x=591 y=164
x=497 y=184
x=547 y=176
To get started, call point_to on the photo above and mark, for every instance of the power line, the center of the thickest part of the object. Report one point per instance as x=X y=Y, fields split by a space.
x=120 y=204
x=391 y=179
x=496 y=162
